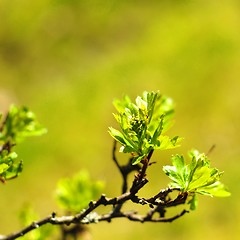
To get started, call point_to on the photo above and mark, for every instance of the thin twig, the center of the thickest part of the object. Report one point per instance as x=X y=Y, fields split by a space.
x=125 y=170
x=211 y=150
x=132 y=216
x=158 y=203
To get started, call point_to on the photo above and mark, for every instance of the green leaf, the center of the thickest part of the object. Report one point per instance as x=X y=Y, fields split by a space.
x=74 y=194
x=136 y=160
x=122 y=105
x=157 y=133
x=117 y=135
x=193 y=202
x=13 y=171
x=216 y=189
x=178 y=162
x=126 y=149
x=142 y=123
x=141 y=104
x=196 y=177
x=10 y=167
x=3 y=168
x=176 y=177
x=200 y=177
x=20 y=123
x=169 y=143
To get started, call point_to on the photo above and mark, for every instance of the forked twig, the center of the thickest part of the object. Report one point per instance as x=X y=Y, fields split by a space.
x=157 y=204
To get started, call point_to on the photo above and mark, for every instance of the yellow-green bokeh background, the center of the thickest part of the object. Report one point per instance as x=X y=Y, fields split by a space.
x=68 y=59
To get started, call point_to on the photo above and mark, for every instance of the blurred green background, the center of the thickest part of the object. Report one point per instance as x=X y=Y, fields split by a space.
x=68 y=59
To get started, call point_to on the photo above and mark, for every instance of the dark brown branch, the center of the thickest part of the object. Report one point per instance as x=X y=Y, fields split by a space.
x=145 y=163
x=133 y=216
x=125 y=170
x=32 y=226
x=162 y=198
x=82 y=218
x=157 y=203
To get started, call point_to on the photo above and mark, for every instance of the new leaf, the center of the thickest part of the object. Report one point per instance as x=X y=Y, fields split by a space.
x=196 y=177
x=18 y=124
x=142 y=124
x=74 y=194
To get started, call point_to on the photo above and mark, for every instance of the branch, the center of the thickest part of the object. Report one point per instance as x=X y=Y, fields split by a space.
x=85 y=218
x=132 y=216
x=67 y=220
x=141 y=132
x=32 y=226
x=125 y=170
x=157 y=203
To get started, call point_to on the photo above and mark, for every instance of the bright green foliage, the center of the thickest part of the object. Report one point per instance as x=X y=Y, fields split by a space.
x=143 y=123
x=18 y=124
x=10 y=167
x=196 y=177
x=74 y=194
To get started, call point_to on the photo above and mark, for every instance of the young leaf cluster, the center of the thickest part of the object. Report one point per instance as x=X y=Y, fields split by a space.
x=143 y=123
x=74 y=194
x=18 y=124
x=195 y=177
x=142 y=127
